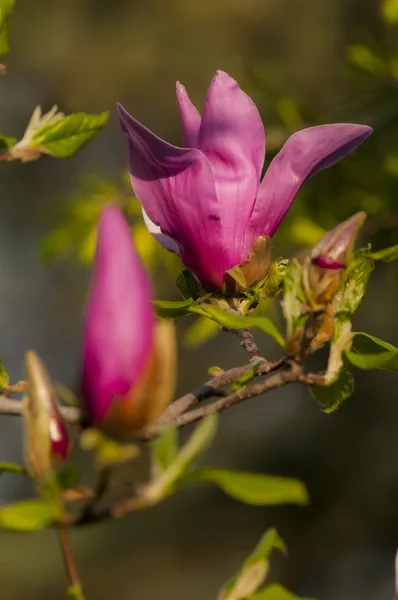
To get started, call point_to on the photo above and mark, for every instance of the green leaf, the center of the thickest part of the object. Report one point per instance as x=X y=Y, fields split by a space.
x=63 y=137
x=236 y=587
x=254 y=488
x=275 y=592
x=108 y=452
x=4 y=377
x=6 y=142
x=68 y=477
x=364 y=58
x=29 y=515
x=201 y=331
x=354 y=284
x=198 y=443
x=332 y=396
x=371 y=353
x=235 y=321
x=76 y=593
x=242 y=381
x=305 y=232
x=386 y=255
x=390 y=10
x=273 y=282
x=165 y=448
x=11 y=468
x=6 y=7
x=292 y=304
x=171 y=309
x=188 y=285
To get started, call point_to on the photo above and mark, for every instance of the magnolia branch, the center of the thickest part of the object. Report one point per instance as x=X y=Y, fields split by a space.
x=212 y=388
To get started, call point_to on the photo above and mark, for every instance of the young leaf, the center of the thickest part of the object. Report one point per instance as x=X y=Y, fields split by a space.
x=4 y=377
x=354 y=284
x=201 y=331
x=75 y=593
x=6 y=7
x=253 y=488
x=11 y=468
x=387 y=254
x=171 y=309
x=331 y=397
x=273 y=282
x=259 y=557
x=65 y=136
x=165 y=448
x=108 y=452
x=29 y=515
x=188 y=285
x=293 y=300
x=68 y=477
x=369 y=352
x=199 y=441
x=235 y=321
x=6 y=142
x=275 y=592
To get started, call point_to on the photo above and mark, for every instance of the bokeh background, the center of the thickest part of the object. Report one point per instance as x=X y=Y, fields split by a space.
x=304 y=63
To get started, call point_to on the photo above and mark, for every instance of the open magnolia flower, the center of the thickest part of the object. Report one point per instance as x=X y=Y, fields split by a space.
x=128 y=370
x=205 y=201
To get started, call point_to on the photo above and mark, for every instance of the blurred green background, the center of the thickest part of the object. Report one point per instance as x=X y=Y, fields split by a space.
x=303 y=63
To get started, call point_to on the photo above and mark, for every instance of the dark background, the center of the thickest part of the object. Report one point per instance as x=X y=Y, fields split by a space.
x=294 y=58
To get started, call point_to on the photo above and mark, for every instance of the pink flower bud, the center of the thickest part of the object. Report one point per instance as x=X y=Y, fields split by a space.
x=128 y=365
x=46 y=441
x=324 y=268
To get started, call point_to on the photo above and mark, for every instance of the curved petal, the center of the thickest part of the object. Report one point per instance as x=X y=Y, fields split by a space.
x=164 y=240
x=190 y=118
x=118 y=325
x=304 y=154
x=232 y=137
x=176 y=189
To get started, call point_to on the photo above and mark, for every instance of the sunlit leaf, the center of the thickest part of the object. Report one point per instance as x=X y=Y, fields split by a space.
x=275 y=592
x=29 y=515
x=293 y=299
x=201 y=331
x=235 y=321
x=254 y=488
x=390 y=10
x=171 y=309
x=305 y=232
x=4 y=377
x=386 y=255
x=354 y=283
x=197 y=444
x=11 y=468
x=165 y=448
x=6 y=142
x=75 y=593
x=108 y=452
x=369 y=352
x=232 y=590
x=6 y=7
x=65 y=136
x=331 y=397
x=364 y=58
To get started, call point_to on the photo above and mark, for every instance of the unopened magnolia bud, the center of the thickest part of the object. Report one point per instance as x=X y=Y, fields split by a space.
x=46 y=437
x=129 y=360
x=324 y=268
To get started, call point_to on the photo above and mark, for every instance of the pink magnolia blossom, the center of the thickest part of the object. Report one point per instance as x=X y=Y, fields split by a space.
x=206 y=201
x=123 y=364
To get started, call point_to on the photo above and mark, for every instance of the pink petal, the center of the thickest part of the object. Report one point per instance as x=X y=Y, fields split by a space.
x=190 y=117
x=117 y=335
x=304 y=154
x=232 y=138
x=176 y=189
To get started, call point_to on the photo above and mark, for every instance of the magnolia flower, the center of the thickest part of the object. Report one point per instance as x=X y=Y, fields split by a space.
x=324 y=268
x=128 y=368
x=206 y=201
x=46 y=438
